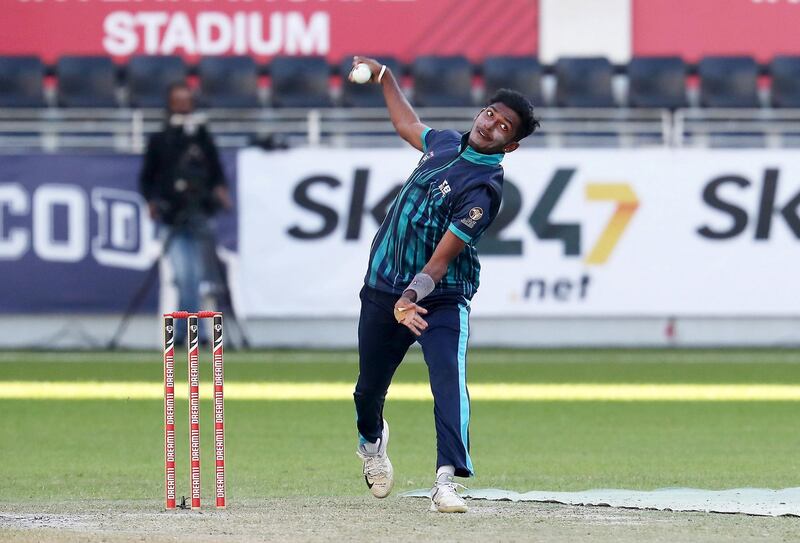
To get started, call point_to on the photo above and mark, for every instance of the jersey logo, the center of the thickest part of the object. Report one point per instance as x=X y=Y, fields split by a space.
x=444 y=187
x=425 y=157
x=475 y=215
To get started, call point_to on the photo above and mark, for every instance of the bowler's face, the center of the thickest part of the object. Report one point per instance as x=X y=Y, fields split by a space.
x=494 y=129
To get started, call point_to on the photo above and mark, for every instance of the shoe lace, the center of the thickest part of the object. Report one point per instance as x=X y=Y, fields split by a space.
x=449 y=485
x=374 y=466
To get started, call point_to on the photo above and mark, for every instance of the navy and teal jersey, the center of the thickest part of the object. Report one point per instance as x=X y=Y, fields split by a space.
x=453 y=188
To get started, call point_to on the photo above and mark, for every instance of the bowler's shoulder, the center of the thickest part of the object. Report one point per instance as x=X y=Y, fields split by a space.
x=440 y=139
x=488 y=179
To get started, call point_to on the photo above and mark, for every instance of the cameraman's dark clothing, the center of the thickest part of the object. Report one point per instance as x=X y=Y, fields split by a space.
x=180 y=172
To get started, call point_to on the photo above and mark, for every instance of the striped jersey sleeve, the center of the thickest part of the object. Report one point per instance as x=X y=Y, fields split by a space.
x=436 y=138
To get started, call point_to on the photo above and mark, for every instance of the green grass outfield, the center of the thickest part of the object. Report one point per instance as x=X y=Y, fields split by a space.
x=65 y=449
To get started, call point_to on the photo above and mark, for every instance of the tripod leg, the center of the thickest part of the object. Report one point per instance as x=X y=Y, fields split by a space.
x=227 y=300
x=134 y=304
x=220 y=274
x=138 y=298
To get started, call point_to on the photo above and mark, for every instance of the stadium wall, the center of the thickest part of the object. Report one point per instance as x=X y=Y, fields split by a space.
x=67 y=331
x=592 y=248
x=575 y=28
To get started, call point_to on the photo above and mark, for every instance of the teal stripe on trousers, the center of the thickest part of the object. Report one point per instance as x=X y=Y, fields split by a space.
x=462 y=381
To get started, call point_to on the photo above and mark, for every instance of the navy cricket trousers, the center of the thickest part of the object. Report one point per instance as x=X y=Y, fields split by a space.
x=382 y=344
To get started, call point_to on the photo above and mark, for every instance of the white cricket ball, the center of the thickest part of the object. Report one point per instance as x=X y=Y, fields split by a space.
x=361 y=73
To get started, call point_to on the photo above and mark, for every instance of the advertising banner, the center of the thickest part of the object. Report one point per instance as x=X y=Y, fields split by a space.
x=75 y=235
x=580 y=233
x=693 y=29
x=266 y=28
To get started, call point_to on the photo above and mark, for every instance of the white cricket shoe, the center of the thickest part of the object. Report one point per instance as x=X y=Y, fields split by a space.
x=445 y=497
x=378 y=471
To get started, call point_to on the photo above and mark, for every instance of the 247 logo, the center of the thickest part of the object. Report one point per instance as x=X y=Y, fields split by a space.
x=570 y=234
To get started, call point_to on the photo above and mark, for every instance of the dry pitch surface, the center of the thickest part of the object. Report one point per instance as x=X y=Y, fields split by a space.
x=367 y=519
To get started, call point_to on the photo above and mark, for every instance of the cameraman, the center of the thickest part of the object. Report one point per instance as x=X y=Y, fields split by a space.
x=183 y=183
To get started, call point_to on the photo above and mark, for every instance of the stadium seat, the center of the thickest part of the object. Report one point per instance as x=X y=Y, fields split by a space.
x=228 y=82
x=86 y=82
x=149 y=77
x=728 y=82
x=442 y=81
x=584 y=82
x=21 y=81
x=355 y=95
x=523 y=74
x=300 y=82
x=785 y=72
x=657 y=82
